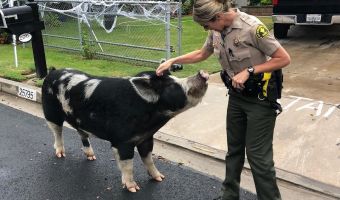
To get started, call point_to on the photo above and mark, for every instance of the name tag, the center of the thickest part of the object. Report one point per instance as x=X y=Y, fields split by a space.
x=27 y=93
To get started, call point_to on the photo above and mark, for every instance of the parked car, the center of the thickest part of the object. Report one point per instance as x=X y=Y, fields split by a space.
x=303 y=12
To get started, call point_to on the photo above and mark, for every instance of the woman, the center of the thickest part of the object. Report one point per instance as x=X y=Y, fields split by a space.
x=245 y=50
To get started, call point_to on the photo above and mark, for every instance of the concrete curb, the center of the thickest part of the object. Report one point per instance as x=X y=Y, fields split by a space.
x=12 y=87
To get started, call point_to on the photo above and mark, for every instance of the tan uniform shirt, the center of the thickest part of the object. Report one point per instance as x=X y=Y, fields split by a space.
x=247 y=42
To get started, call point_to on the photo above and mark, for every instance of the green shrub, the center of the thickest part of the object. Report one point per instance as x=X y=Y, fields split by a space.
x=86 y=45
x=260 y=2
x=187 y=7
x=266 y=2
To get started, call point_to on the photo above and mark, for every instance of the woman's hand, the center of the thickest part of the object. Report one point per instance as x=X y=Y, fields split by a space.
x=239 y=79
x=163 y=66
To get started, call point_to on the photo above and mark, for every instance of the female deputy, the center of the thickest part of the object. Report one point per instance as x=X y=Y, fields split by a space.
x=246 y=50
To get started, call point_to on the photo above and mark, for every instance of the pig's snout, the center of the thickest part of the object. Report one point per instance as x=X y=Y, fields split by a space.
x=203 y=74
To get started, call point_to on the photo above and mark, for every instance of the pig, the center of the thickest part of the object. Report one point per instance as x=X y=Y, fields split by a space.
x=126 y=111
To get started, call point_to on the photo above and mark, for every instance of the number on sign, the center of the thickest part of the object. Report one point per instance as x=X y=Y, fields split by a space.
x=27 y=93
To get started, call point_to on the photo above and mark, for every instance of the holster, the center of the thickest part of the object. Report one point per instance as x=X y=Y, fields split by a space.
x=274 y=90
x=226 y=79
x=253 y=86
x=275 y=86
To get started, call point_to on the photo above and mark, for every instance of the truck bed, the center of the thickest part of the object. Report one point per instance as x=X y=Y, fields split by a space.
x=307 y=6
x=303 y=12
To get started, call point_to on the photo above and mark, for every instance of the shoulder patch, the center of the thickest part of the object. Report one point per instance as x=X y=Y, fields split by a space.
x=261 y=31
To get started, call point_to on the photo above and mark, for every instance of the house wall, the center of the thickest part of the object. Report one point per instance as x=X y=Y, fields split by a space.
x=258 y=10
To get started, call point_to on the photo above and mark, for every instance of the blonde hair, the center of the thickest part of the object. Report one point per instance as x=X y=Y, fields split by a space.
x=206 y=10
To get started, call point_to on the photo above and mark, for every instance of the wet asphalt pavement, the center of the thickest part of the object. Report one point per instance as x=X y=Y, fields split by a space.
x=29 y=169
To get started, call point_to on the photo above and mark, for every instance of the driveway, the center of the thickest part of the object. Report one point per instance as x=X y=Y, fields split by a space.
x=30 y=170
x=315 y=68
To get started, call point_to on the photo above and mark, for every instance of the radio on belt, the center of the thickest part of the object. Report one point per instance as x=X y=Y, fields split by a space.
x=24 y=22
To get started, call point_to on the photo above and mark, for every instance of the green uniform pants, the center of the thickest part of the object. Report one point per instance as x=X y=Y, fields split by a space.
x=250 y=127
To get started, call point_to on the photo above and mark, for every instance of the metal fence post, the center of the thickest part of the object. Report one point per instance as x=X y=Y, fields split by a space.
x=180 y=28
x=167 y=30
x=80 y=32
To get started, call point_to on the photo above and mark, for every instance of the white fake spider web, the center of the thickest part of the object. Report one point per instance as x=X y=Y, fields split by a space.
x=89 y=10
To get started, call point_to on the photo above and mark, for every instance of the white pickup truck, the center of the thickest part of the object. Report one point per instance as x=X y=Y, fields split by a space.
x=303 y=12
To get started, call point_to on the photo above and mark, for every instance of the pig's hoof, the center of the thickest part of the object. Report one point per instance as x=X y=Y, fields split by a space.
x=131 y=186
x=60 y=153
x=157 y=176
x=91 y=157
x=89 y=153
x=59 y=150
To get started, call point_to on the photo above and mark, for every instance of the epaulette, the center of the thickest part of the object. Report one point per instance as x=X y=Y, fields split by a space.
x=250 y=20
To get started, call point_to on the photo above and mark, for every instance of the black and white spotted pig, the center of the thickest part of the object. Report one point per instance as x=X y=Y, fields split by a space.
x=127 y=112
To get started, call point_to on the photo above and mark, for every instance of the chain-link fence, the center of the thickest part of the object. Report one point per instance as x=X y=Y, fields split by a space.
x=141 y=32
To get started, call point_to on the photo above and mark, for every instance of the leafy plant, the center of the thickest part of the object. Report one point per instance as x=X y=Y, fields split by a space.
x=4 y=34
x=187 y=7
x=260 y=2
x=4 y=37
x=266 y=2
x=87 y=46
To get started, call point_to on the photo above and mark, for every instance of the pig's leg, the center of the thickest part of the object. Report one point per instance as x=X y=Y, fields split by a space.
x=87 y=148
x=124 y=159
x=145 y=151
x=55 y=117
x=58 y=139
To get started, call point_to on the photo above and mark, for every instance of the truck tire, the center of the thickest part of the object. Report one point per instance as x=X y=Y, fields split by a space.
x=281 y=30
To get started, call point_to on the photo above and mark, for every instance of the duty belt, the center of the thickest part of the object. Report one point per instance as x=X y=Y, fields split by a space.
x=266 y=86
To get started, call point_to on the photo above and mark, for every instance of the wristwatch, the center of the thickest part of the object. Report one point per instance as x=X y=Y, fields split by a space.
x=251 y=70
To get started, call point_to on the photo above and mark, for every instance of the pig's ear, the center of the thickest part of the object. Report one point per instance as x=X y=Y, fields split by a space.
x=143 y=88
